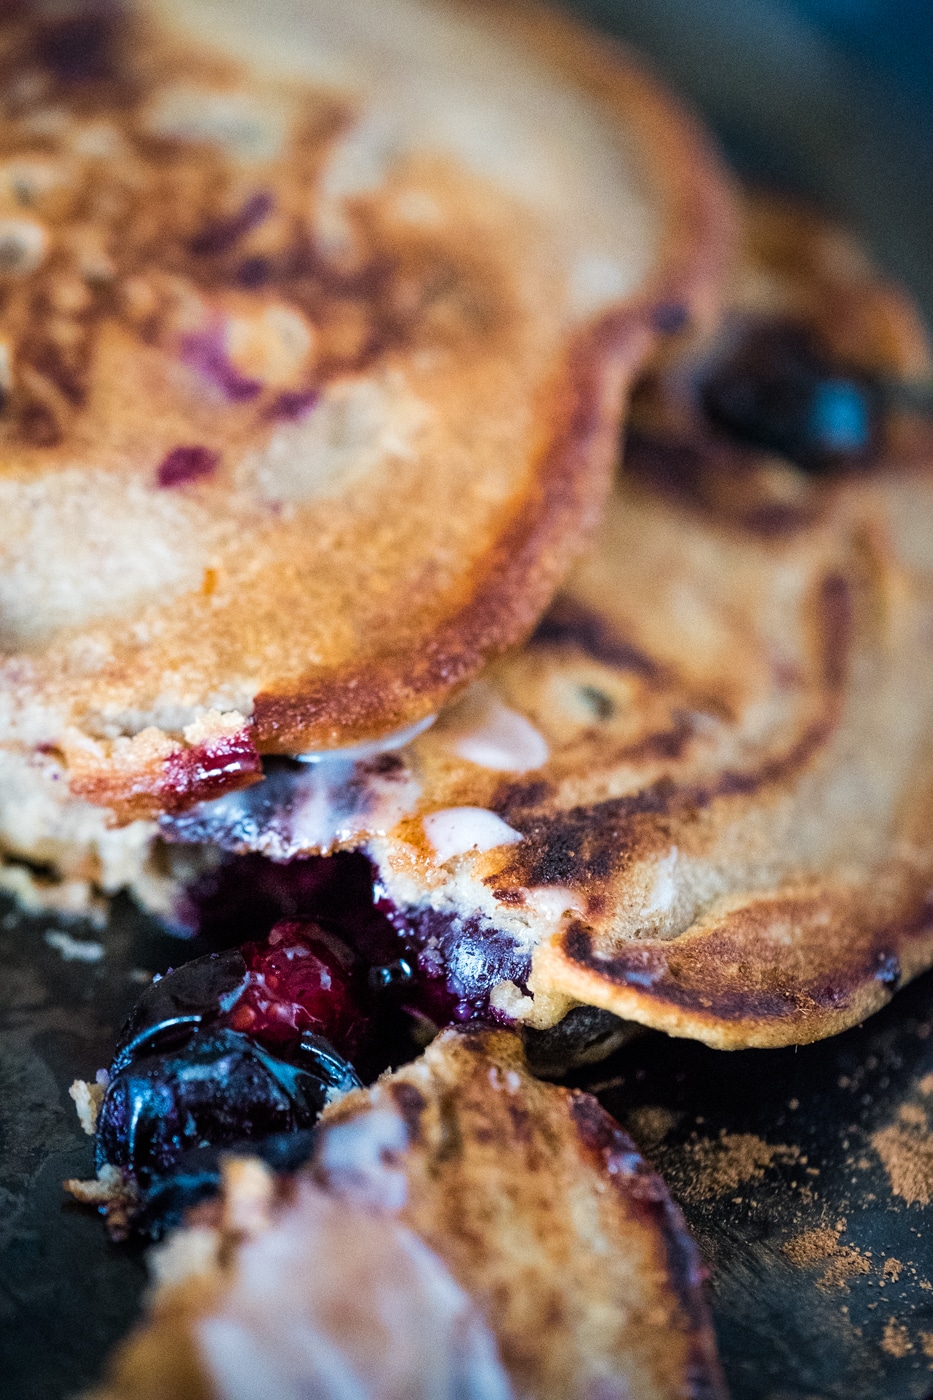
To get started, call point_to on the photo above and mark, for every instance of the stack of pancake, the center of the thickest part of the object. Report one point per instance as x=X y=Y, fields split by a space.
x=320 y=327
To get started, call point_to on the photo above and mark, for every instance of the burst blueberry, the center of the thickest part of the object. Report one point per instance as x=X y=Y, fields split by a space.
x=184 y=1085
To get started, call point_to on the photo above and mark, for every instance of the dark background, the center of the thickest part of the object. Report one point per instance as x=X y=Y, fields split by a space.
x=832 y=98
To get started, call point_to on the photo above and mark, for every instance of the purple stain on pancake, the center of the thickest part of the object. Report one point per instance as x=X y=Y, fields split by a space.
x=207 y=354
x=254 y=272
x=223 y=234
x=184 y=464
x=293 y=404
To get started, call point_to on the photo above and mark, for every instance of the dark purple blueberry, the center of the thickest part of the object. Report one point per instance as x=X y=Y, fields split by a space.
x=198 y=991
x=191 y=1086
x=781 y=391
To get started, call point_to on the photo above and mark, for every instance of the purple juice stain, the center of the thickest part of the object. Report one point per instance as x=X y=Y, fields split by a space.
x=207 y=354
x=293 y=404
x=254 y=272
x=223 y=234
x=184 y=464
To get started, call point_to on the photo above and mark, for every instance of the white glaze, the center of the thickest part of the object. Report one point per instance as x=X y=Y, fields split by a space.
x=333 y=801
x=487 y=732
x=330 y=811
x=455 y=830
x=373 y=747
x=358 y=1158
x=552 y=902
x=339 y=1302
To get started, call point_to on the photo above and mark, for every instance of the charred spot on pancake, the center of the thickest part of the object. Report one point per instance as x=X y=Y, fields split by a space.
x=184 y=464
x=569 y=624
x=782 y=391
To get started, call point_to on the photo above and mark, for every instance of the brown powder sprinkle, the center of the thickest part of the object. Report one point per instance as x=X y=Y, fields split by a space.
x=718 y=1166
x=893 y=1268
x=896 y=1341
x=849 y=1264
x=812 y=1247
x=650 y=1124
x=907 y=1155
x=926 y=1344
x=926 y=1085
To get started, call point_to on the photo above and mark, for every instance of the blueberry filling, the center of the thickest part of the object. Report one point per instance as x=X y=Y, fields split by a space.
x=249 y=1043
x=781 y=390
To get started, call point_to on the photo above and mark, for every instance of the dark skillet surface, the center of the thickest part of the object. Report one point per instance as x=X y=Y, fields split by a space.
x=822 y=1318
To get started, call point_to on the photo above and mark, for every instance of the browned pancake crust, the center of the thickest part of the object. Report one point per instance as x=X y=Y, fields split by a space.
x=409 y=596
x=543 y=1211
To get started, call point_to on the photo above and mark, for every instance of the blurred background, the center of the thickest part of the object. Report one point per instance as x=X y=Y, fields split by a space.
x=833 y=98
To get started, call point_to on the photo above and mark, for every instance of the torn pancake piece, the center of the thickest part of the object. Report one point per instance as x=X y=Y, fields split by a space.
x=445 y=1213
x=314 y=341
x=700 y=797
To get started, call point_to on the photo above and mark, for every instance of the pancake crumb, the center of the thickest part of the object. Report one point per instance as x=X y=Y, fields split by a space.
x=87 y=1101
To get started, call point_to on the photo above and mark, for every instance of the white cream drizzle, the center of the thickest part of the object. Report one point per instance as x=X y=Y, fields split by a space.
x=552 y=902
x=487 y=732
x=454 y=831
x=372 y=747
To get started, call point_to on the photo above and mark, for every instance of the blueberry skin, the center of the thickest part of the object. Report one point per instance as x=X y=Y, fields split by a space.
x=197 y=1176
x=781 y=391
x=181 y=1085
x=196 y=993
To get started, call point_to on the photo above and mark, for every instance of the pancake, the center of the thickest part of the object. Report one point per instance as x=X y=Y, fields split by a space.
x=700 y=798
x=462 y=1229
x=316 y=326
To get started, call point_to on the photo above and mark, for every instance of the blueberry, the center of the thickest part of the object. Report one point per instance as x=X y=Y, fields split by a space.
x=195 y=993
x=196 y=1177
x=782 y=391
x=187 y=1085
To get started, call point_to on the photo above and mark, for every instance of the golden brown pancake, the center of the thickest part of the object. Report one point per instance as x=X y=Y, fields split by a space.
x=462 y=1229
x=700 y=797
x=315 y=326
